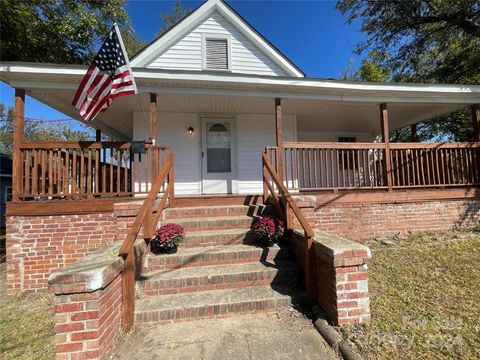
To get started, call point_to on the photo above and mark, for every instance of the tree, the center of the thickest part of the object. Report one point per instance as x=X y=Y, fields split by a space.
x=170 y=19
x=59 y=31
x=38 y=130
x=426 y=41
x=430 y=41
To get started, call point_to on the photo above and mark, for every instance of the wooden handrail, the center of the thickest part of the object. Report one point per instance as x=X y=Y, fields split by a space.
x=368 y=146
x=148 y=217
x=289 y=204
x=81 y=145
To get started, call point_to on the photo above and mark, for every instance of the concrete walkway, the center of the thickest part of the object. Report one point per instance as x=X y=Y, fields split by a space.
x=282 y=335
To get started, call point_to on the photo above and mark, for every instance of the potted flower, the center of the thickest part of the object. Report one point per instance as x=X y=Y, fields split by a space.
x=268 y=230
x=167 y=238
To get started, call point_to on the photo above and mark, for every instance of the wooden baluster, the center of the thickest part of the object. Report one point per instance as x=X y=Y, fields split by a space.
x=147 y=179
x=89 y=174
x=285 y=163
x=35 y=173
x=443 y=165
x=111 y=185
x=50 y=172
x=125 y=172
x=119 y=175
x=66 y=183
x=97 y=169
x=297 y=153
x=27 y=189
x=74 y=171
x=43 y=171
x=82 y=171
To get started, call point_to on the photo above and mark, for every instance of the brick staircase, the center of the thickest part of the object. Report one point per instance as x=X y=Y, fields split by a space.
x=218 y=270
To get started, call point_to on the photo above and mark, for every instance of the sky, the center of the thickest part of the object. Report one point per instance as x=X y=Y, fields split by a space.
x=312 y=34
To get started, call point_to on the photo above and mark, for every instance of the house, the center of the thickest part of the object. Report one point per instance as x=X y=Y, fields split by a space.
x=223 y=124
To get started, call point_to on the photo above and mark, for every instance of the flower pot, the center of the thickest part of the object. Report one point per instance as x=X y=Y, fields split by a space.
x=171 y=250
x=268 y=243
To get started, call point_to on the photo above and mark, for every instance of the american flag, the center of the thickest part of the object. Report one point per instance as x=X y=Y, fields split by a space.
x=108 y=76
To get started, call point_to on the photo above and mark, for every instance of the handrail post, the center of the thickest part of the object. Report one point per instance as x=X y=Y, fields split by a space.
x=265 y=187
x=18 y=138
x=128 y=290
x=171 y=181
x=310 y=271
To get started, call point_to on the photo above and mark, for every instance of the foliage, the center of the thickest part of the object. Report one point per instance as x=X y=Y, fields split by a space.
x=60 y=31
x=26 y=327
x=424 y=298
x=268 y=229
x=170 y=19
x=168 y=236
x=426 y=41
x=38 y=130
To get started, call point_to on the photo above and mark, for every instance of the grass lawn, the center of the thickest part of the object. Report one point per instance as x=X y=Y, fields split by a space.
x=26 y=327
x=425 y=294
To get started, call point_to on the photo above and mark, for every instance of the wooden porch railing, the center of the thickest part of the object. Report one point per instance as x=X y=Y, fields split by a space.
x=86 y=169
x=342 y=166
x=287 y=208
x=148 y=217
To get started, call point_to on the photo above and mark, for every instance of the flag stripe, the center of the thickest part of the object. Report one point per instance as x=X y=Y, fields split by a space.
x=108 y=76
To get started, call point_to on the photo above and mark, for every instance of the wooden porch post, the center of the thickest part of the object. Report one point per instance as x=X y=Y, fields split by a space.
x=98 y=135
x=154 y=132
x=18 y=138
x=386 y=140
x=279 y=137
x=476 y=121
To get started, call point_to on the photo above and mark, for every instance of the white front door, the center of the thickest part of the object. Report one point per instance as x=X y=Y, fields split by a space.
x=218 y=155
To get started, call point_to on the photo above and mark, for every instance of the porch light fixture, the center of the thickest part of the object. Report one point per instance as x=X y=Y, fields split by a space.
x=190 y=131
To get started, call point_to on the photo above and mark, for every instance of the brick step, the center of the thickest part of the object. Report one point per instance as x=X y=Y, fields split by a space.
x=217 y=223
x=217 y=200
x=218 y=237
x=216 y=255
x=212 y=211
x=205 y=278
x=215 y=303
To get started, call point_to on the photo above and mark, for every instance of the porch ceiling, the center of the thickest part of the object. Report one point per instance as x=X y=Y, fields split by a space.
x=312 y=115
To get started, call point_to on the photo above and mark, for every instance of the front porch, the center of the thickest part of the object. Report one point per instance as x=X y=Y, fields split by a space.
x=81 y=212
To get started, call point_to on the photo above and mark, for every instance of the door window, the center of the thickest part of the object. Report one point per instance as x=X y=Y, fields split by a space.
x=219 y=159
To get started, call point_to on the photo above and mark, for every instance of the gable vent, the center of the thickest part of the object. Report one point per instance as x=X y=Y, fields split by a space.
x=216 y=54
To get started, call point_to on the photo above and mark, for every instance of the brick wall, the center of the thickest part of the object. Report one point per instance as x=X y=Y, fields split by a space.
x=88 y=304
x=39 y=245
x=365 y=220
x=342 y=279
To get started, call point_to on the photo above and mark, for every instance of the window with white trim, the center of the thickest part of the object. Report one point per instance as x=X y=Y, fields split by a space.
x=216 y=54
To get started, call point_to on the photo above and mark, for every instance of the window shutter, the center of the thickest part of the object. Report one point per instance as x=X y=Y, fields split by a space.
x=216 y=57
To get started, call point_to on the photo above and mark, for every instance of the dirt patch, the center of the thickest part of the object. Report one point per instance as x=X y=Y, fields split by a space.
x=424 y=298
x=282 y=335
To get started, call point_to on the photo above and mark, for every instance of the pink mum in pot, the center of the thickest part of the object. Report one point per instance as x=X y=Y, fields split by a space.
x=268 y=229
x=167 y=236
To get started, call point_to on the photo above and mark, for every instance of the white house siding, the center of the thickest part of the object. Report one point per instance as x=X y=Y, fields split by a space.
x=186 y=54
x=253 y=133
x=172 y=130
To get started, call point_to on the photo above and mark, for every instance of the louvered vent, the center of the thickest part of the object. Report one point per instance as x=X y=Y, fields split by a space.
x=216 y=57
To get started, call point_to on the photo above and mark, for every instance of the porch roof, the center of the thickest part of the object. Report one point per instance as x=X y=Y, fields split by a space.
x=320 y=104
